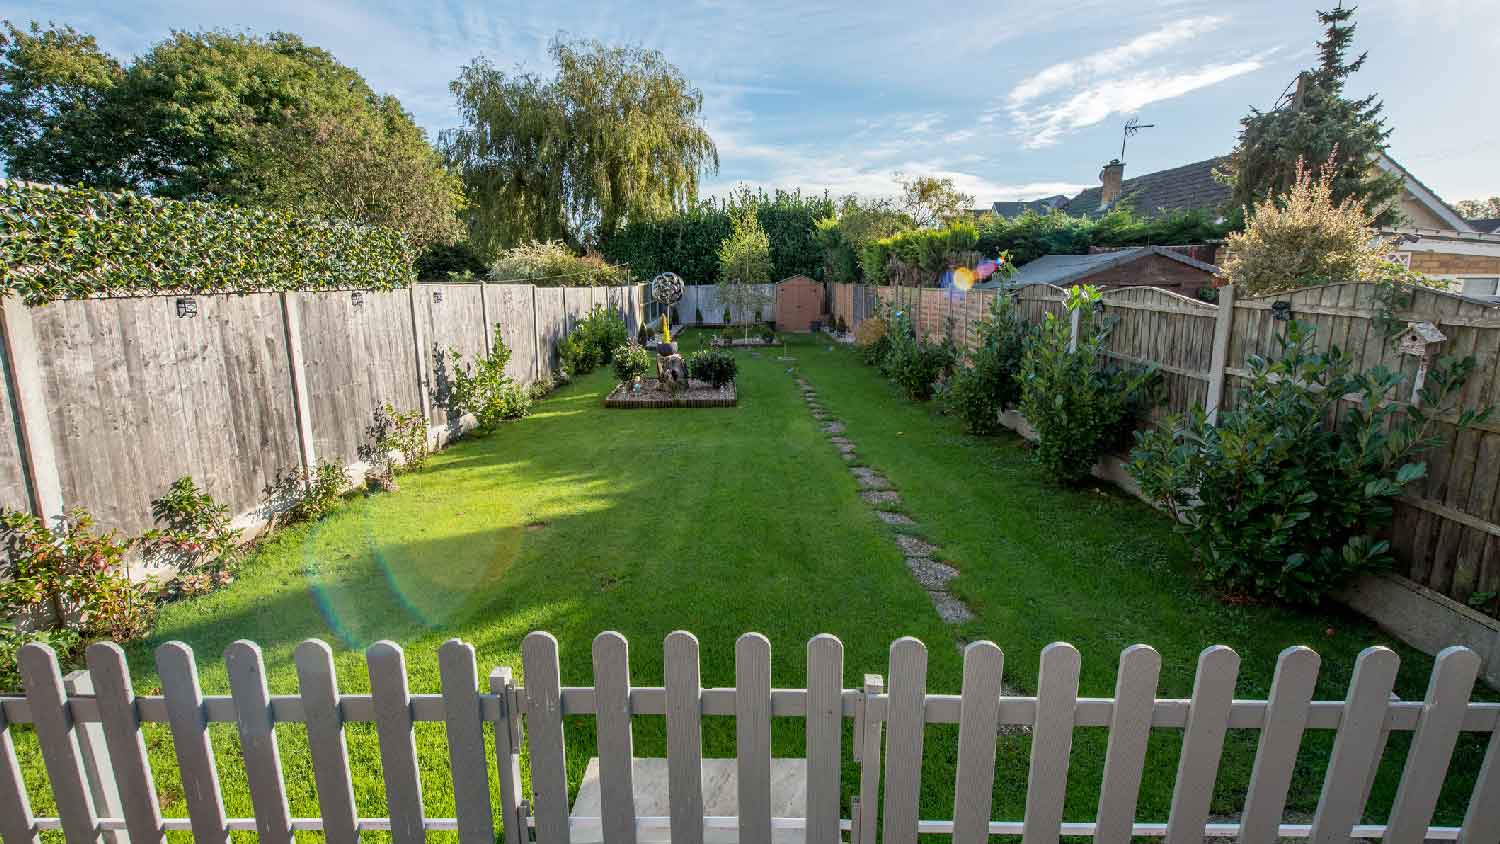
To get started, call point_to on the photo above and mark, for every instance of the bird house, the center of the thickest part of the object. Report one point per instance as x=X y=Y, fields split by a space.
x=1420 y=338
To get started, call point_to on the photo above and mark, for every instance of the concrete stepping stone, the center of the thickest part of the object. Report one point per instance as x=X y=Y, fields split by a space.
x=950 y=609
x=869 y=478
x=891 y=518
x=884 y=496
x=845 y=449
x=931 y=574
x=849 y=456
x=834 y=427
x=911 y=546
x=841 y=441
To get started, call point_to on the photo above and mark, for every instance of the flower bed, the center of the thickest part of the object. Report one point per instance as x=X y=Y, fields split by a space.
x=698 y=394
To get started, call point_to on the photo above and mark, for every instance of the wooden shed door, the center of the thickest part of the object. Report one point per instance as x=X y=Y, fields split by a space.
x=799 y=302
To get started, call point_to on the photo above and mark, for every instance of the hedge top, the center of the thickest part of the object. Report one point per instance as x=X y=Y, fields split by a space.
x=76 y=242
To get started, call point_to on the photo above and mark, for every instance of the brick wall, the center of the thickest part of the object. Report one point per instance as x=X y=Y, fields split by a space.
x=1437 y=263
x=1156 y=271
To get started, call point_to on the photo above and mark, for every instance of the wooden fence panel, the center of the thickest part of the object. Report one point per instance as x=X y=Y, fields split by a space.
x=451 y=317
x=979 y=723
x=551 y=324
x=1169 y=330
x=137 y=397
x=357 y=356
x=509 y=307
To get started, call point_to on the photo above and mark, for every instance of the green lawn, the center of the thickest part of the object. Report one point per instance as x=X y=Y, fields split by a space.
x=721 y=521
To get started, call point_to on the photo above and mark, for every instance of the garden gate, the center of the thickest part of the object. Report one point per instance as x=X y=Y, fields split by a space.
x=95 y=755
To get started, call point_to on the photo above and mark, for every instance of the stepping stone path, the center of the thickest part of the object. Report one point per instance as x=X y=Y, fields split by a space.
x=876 y=490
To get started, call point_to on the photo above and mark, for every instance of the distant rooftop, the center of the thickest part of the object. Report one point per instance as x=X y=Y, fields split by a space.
x=1186 y=188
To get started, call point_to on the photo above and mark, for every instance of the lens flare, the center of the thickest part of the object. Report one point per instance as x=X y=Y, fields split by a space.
x=985 y=269
x=963 y=279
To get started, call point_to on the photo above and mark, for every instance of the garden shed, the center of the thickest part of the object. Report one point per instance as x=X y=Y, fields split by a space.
x=799 y=303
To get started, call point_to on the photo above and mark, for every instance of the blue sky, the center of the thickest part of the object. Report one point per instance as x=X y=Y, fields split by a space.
x=1010 y=99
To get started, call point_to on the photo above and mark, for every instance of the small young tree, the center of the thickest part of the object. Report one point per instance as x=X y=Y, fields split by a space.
x=744 y=268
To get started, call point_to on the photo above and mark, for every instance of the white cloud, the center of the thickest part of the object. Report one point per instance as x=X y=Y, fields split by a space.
x=1112 y=60
x=1045 y=125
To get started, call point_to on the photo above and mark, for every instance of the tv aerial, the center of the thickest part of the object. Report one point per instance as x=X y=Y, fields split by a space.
x=1132 y=126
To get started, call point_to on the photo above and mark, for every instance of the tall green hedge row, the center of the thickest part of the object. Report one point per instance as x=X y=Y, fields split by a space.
x=75 y=242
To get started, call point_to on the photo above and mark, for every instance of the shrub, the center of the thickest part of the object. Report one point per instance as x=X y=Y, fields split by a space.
x=697 y=316
x=392 y=431
x=1284 y=496
x=67 y=643
x=542 y=387
x=714 y=366
x=551 y=263
x=574 y=356
x=61 y=243
x=444 y=260
x=483 y=388
x=195 y=538
x=873 y=340
x=631 y=362
x=1303 y=238
x=916 y=365
x=989 y=381
x=767 y=333
x=593 y=341
x=298 y=495
x=1079 y=406
x=841 y=326
x=72 y=576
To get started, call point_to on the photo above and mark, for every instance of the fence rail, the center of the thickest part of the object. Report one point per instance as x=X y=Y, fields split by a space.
x=92 y=745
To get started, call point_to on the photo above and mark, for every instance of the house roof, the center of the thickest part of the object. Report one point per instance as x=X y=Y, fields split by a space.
x=1189 y=187
x=1423 y=194
x=1037 y=206
x=1487 y=226
x=1065 y=269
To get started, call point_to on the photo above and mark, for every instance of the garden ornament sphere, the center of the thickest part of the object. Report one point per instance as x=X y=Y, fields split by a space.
x=666 y=288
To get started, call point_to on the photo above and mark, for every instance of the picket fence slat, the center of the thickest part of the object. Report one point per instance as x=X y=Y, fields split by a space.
x=825 y=732
x=1129 y=734
x=317 y=681
x=252 y=700
x=55 y=734
x=110 y=675
x=984 y=665
x=1202 y=744
x=616 y=745
x=190 y=739
x=549 y=769
x=465 y=731
x=15 y=803
x=684 y=737
x=103 y=700
x=1051 y=742
x=1448 y=691
x=1276 y=754
x=508 y=754
x=394 y=733
x=752 y=680
x=905 y=722
x=1481 y=822
x=1355 y=747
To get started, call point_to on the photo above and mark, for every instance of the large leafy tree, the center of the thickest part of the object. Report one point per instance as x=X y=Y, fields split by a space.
x=214 y=115
x=931 y=201
x=1315 y=122
x=616 y=137
x=1479 y=209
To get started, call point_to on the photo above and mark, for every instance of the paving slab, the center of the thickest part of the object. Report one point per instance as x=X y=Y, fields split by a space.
x=841 y=441
x=884 y=496
x=931 y=574
x=720 y=798
x=869 y=479
x=911 y=546
x=891 y=518
x=950 y=609
x=834 y=427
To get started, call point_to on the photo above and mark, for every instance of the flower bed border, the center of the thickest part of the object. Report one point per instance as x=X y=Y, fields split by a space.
x=621 y=397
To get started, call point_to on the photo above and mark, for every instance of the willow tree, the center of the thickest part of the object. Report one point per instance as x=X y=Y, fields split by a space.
x=615 y=137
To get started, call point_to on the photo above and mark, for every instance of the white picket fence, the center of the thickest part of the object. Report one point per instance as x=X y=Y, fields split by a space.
x=95 y=755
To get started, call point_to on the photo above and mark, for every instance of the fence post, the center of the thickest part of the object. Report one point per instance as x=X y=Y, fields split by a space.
x=23 y=371
x=1223 y=333
x=867 y=736
x=1075 y=318
x=421 y=358
x=104 y=791
x=484 y=314
x=291 y=320
x=536 y=338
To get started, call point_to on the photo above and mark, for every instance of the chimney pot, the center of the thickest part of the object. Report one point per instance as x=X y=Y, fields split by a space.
x=1109 y=179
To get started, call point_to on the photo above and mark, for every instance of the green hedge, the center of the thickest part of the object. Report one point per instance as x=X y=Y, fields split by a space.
x=66 y=243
